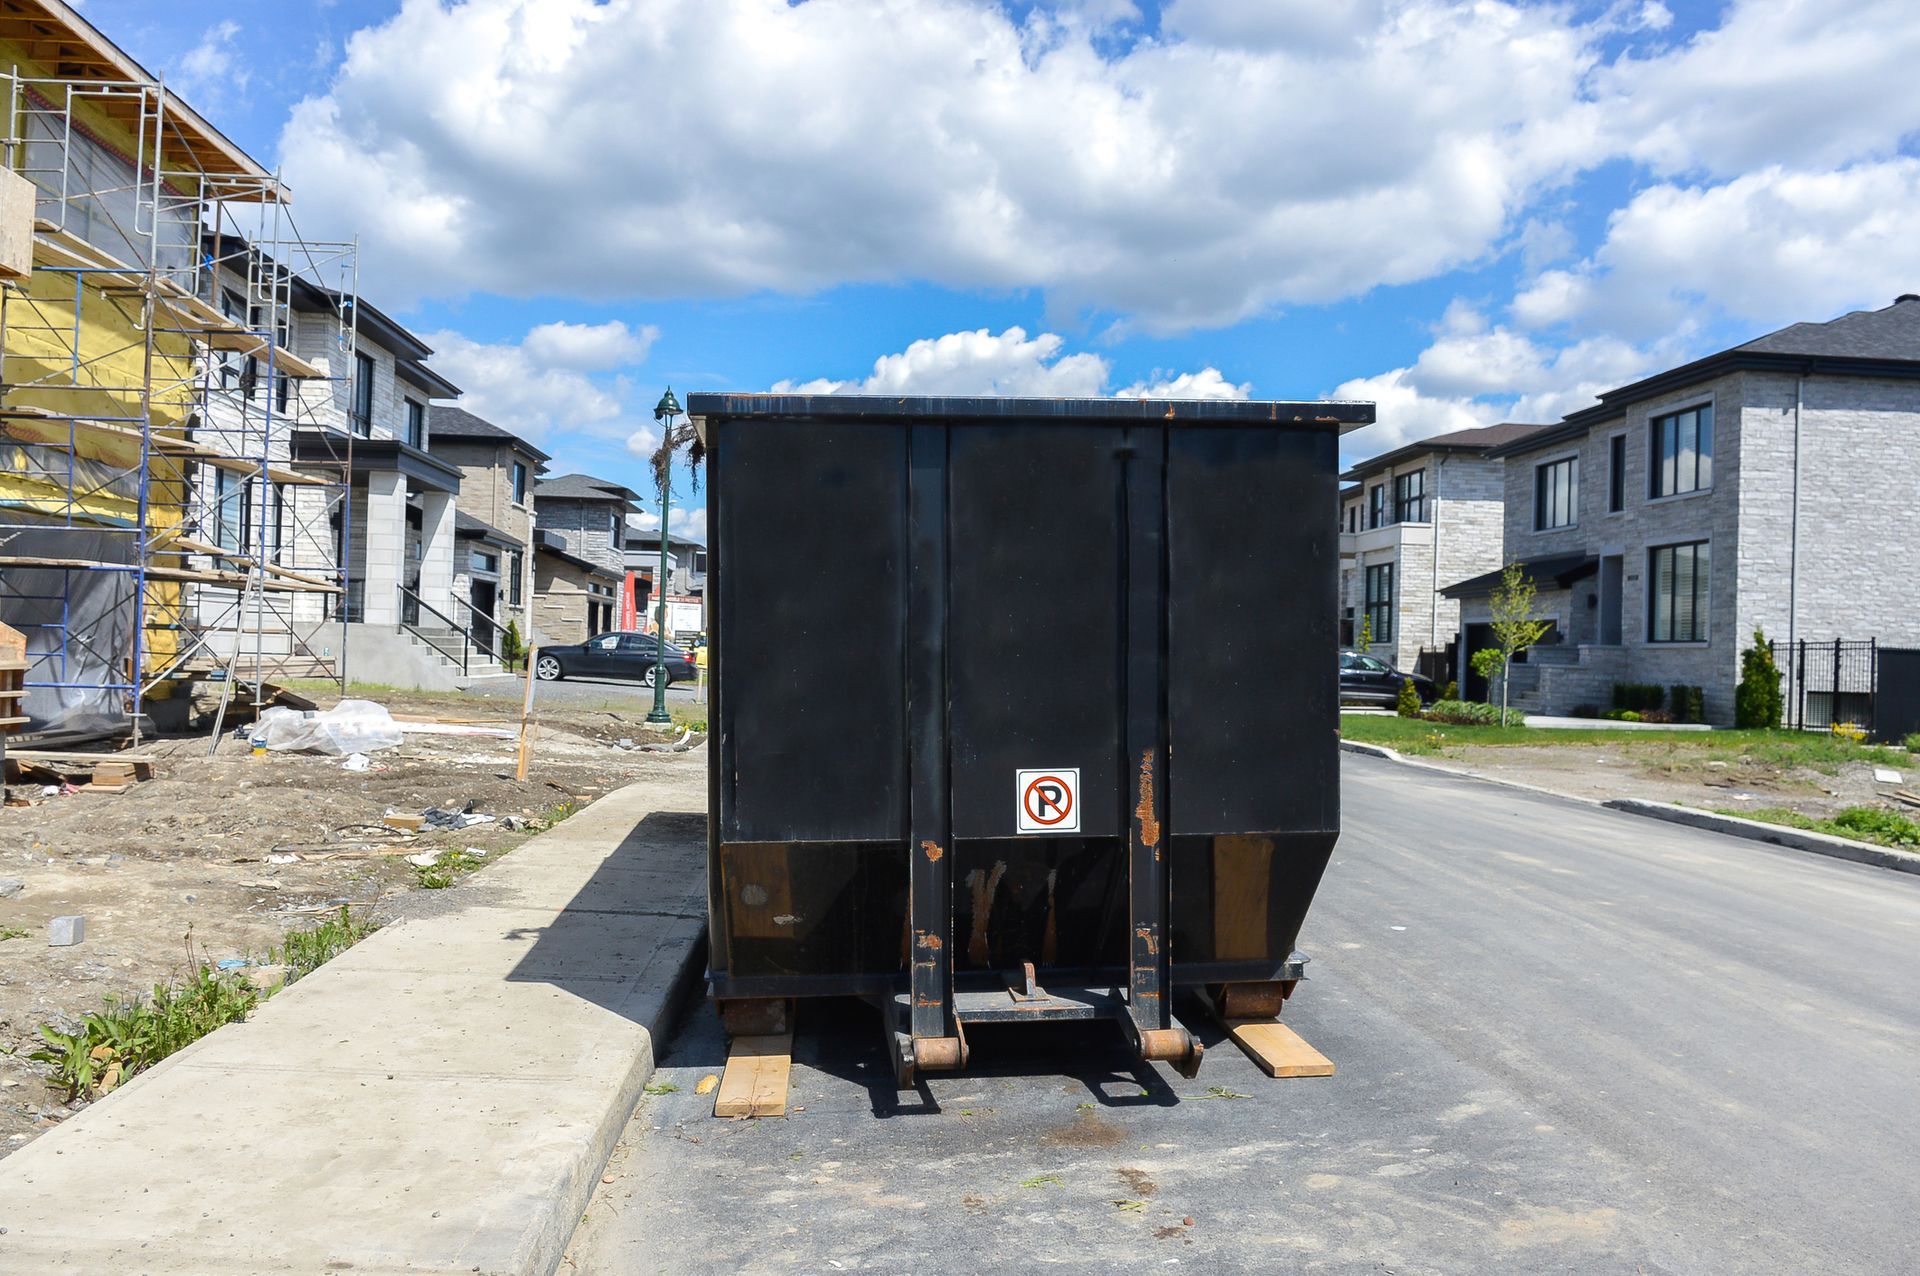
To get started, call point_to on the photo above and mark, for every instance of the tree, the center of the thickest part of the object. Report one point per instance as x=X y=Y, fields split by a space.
x=1757 y=702
x=512 y=645
x=1514 y=628
x=1409 y=706
x=1366 y=632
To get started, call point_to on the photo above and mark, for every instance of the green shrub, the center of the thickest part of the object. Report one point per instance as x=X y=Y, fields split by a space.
x=1687 y=703
x=1757 y=701
x=1409 y=706
x=1623 y=715
x=126 y=1037
x=513 y=647
x=304 y=951
x=1877 y=824
x=1451 y=691
x=1912 y=743
x=1639 y=696
x=1471 y=713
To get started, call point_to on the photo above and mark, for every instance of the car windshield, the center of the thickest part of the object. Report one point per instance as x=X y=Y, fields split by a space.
x=1375 y=666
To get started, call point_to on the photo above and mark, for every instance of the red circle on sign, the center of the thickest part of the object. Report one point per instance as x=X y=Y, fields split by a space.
x=1032 y=796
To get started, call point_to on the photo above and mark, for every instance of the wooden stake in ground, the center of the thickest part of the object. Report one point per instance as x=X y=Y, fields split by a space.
x=526 y=715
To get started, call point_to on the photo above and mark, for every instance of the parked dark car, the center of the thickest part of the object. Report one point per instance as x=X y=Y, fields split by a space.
x=617 y=655
x=1365 y=679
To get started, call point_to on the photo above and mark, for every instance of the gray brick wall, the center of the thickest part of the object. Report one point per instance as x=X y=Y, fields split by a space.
x=590 y=529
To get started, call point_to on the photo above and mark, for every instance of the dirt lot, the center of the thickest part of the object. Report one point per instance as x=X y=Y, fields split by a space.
x=187 y=854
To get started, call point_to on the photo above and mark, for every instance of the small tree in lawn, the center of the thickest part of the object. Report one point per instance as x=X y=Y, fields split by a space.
x=1514 y=628
x=1409 y=704
x=1757 y=702
x=1366 y=631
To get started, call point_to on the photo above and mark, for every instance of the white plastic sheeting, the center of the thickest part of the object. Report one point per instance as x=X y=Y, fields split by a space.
x=352 y=726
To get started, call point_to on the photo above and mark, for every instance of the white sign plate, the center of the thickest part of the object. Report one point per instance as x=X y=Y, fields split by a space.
x=1048 y=801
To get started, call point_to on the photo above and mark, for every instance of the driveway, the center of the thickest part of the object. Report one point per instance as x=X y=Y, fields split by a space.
x=1568 y=1040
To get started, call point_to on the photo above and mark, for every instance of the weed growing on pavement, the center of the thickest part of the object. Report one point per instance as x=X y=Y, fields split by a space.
x=13 y=932
x=304 y=951
x=127 y=1037
x=663 y=1087
x=448 y=869
x=1861 y=823
x=1041 y=1180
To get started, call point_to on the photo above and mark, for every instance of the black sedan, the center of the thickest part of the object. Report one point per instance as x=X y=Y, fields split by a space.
x=629 y=656
x=1366 y=680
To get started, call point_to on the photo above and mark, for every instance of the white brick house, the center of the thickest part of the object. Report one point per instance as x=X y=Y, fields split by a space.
x=1415 y=519
x=1770 y=485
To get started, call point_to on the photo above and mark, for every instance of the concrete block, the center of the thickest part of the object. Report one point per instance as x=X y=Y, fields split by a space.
x=64 y=932
x=11 y=886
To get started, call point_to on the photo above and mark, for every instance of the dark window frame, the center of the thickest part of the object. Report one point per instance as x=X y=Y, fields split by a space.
x=1409 y=504
x=1379 y=601
x=1547 y=494
x=416 y=424
x=517 y=482
x=1666 y=434
x=1616 y=473
x=516 y=566
x=1698 y=557
x=1376 y=506
x=360 y=415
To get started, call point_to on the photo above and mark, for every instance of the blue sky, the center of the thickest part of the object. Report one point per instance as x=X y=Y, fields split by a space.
x=1468 y=212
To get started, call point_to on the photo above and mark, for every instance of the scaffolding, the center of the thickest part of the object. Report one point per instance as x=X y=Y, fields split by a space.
x=158 y=524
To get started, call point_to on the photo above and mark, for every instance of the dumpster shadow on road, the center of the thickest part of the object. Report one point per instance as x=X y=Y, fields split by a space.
x=841 y=1037
x=627 y=938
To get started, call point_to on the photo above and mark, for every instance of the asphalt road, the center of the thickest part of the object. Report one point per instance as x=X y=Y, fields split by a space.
x=1568 y=1040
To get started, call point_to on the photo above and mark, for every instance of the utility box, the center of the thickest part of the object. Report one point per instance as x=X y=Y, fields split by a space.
x=1023 y=709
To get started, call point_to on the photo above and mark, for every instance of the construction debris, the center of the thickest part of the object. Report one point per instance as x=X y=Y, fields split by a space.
x=64 y=932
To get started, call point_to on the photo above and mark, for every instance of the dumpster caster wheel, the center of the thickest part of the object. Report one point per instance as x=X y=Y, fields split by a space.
x=1176 y=1046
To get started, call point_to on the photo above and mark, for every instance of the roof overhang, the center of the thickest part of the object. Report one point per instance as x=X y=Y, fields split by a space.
x=72 y=49
x=420 y=376
x=330 y=448
x=1553 y=571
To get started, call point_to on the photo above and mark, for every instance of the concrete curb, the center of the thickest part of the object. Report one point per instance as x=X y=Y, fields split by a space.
x=1733 y=826
x=1841 y=848
x=443 y=1097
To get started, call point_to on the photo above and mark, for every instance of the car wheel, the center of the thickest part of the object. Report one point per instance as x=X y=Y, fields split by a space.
x=646 y=679
x=547 y=669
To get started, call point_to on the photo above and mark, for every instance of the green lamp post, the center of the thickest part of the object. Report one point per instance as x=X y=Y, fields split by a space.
x=663 y=412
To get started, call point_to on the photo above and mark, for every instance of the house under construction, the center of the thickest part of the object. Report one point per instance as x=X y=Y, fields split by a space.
x=176 y=500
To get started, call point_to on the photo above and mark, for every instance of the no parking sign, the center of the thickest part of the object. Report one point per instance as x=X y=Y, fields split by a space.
x=1048 y=800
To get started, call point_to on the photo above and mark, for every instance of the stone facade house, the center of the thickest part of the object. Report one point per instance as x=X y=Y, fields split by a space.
x=494 y=519
x=579 y=561
x=1412 y=520
x=1767 y=486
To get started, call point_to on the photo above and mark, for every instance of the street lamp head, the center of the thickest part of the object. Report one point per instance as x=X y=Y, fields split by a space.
x=668 y=407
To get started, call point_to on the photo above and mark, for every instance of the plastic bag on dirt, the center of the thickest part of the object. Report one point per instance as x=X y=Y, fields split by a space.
x=352 y=726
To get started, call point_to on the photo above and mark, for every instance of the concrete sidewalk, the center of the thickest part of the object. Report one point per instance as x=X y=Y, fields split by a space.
x=441 y=1098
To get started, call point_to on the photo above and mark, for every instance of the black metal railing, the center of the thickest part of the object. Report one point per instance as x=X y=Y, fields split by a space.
x=412 y=606
x=1826 y=682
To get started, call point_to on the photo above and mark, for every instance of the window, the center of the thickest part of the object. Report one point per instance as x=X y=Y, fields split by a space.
x=282 y=383
x=519 y=483
x=276 y=518
x=1377 y=506
x=1679 y=605
x=1681 y=459
x=416 y=425
x=229 y=509
x=363 y=395
x=1556 y=493
x=1380 y=601
x=481 y=561
x=1616 y=473
x=613 y=525
x=1410 y=497
x=516 y=567
x=1353 y=517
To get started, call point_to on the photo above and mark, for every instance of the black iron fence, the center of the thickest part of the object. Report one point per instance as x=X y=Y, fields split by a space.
x=1828 y=681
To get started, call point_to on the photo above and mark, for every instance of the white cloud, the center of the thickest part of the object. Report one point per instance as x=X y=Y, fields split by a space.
x=699 y=147
x=1769 y=248
x=1011 y=364
x=689 y=523
x=560 y=379
x=1777 y=82
x=209 y=68
x=1208 y=383
x=1404 y=413
x=589 y=347
x=975 y=362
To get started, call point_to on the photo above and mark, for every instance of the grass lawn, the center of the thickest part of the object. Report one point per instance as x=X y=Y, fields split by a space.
x=1785 y=749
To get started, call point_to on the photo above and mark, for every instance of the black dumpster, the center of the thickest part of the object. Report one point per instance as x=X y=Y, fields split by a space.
x=1024 y=709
